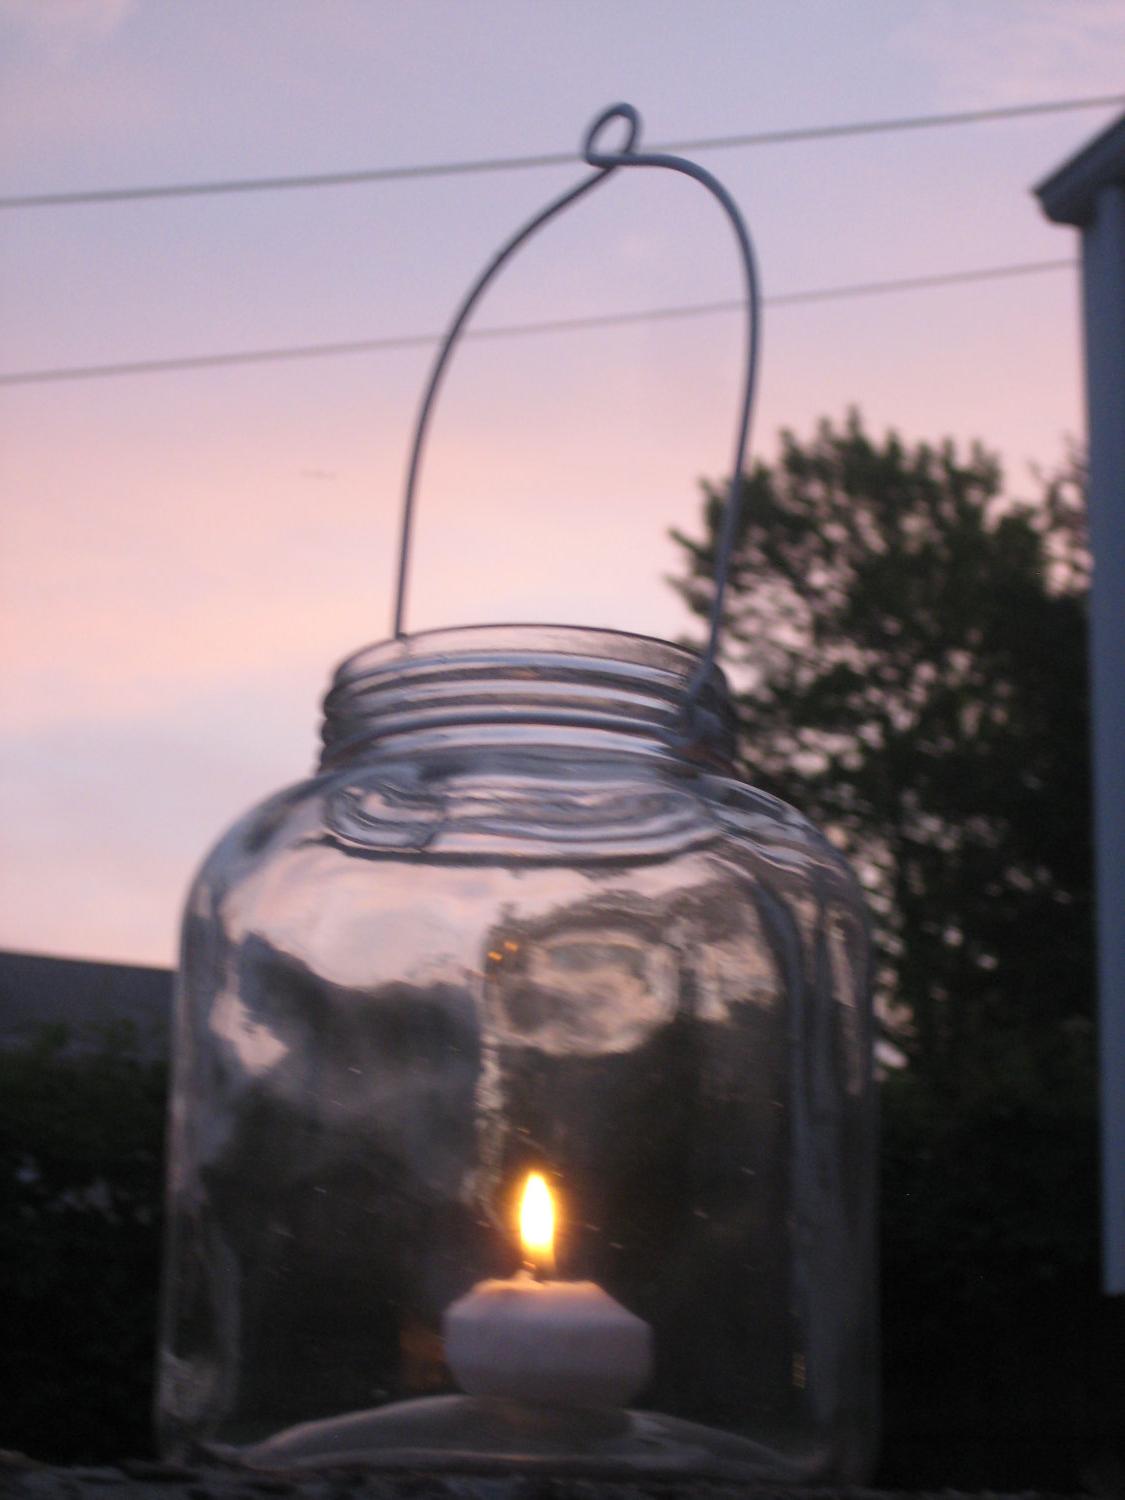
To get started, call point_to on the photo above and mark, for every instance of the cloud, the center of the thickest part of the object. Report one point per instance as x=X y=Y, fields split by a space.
x=999 y=52
x=69 y=81
x=60 y=27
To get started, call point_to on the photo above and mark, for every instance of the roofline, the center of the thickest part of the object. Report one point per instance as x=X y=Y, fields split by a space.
x=81 y=963
x=1068 y=195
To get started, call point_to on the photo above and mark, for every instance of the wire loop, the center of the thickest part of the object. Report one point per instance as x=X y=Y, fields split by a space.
x=605 y=162
x=616 y=158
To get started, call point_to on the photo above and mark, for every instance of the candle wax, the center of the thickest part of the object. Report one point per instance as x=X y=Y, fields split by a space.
x=558 y=1343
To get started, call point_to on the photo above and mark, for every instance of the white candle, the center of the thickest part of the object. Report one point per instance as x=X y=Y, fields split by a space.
x=556 y=1343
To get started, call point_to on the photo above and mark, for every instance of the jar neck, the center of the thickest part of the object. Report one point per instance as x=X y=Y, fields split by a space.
x=523 y=688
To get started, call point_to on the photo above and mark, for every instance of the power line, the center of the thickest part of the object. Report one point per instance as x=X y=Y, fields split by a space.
x=548 y=159
x=513 y=330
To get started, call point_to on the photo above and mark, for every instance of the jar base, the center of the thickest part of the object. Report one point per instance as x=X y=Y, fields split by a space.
x=474 y=1434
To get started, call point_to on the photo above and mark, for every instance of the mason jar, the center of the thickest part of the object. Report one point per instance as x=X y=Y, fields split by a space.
x=519 y=920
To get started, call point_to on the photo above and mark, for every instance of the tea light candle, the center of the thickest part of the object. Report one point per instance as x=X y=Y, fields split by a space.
x=554 y=1343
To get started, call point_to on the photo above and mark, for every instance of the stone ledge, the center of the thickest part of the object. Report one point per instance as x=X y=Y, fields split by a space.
x=22 y=1478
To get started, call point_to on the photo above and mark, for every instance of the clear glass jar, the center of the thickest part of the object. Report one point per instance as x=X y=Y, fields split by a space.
x=511 y=925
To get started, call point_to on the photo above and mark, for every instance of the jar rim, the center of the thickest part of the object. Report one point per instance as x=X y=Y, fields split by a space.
x=489 y=679
x=508 y=635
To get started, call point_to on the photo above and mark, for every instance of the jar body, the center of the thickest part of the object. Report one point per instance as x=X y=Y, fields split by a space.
x=462 y=953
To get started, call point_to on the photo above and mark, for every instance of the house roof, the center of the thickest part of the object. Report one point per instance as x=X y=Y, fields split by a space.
x=85 y=997
x=1068 y=194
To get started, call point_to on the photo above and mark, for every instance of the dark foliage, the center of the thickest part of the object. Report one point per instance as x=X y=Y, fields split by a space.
x=81 y=1155
x=910 y=649
x=914 y=654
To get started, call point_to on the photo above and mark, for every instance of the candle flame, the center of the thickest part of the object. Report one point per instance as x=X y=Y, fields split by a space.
x=537 y=1224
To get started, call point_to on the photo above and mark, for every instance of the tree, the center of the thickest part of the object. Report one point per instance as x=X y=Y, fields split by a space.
x=912 y=653
x=909 y=649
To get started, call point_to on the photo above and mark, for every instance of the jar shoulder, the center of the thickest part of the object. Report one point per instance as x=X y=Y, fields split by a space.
x=521 y=812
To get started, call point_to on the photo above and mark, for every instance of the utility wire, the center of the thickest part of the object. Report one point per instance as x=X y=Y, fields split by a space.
x=548 y=159
x=513 y=330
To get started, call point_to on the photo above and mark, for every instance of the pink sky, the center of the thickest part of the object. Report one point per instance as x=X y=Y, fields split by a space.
x=186 y=556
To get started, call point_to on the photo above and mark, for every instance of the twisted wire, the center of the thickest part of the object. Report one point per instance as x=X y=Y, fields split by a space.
x=605 y=162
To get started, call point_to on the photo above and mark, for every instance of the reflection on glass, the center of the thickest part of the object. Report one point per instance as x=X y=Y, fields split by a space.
x=508 y=930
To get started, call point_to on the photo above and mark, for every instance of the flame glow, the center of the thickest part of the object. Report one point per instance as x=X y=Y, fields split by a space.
x=537 y=1224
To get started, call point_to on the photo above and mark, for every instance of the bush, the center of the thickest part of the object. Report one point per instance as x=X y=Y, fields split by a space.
x=1003 y=1367
x=81 y=1155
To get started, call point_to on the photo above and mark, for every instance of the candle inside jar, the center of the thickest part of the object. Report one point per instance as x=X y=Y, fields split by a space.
x=550 y=1342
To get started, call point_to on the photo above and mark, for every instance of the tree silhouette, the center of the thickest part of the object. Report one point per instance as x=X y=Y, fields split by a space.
x=909 y=649
x=911 y=652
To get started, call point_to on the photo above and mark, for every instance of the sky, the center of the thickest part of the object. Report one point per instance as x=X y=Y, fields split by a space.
x=186 y=556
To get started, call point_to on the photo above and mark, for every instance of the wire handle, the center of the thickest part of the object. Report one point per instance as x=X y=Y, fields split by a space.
x=606 y=162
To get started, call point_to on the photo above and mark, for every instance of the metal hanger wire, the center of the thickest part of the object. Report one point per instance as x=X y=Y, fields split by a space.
x=605 y=162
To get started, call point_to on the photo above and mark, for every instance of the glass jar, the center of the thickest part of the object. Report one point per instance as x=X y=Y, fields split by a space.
x=512 y=923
